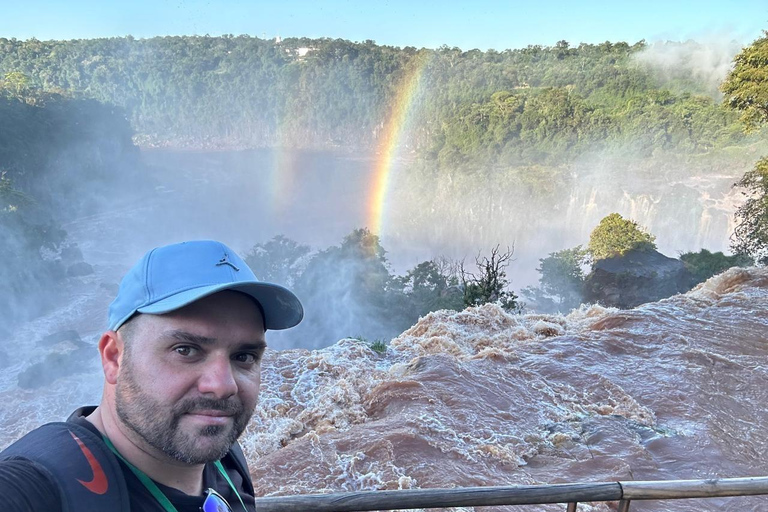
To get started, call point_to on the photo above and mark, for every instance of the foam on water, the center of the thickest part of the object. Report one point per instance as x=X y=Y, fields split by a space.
x=673 y=389
x=481 y=397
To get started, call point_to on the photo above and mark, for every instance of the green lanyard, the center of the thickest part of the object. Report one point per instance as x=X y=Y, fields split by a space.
x=155 y=490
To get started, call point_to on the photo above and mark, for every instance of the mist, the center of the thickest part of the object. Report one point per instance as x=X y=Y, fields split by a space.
x=294 y=159
x=692 y=66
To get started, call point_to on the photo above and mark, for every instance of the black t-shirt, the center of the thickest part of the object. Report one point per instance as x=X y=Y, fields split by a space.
x=26 y=487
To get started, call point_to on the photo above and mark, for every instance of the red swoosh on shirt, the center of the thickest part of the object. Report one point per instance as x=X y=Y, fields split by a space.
x=98 y=484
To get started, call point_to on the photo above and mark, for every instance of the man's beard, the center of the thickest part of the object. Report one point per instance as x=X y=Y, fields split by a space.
x=158 y=425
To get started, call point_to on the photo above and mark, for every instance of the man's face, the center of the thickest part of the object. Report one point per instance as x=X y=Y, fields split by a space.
x=189 y=380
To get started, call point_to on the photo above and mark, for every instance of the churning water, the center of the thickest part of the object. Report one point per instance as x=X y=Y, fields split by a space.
x=670 y=390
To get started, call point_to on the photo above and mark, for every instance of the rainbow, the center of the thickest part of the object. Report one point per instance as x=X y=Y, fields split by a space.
x=390 y=142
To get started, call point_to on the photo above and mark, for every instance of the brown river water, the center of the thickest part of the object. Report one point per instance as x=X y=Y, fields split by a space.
x=670 y=390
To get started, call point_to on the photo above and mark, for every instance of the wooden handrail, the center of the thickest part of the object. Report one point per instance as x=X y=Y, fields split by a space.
x=515 y=495
x=679 y=489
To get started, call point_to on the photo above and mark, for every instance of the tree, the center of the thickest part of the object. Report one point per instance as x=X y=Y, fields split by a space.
x=15 y=83
x=703 y=264
x=750 y=236
x=278 y=260
x=356 y=268
x=561 y=282
x=614 y=236
x=245 y=91
x=746 y=89
x=430 y=286
x=348 y=291
x=490 y=284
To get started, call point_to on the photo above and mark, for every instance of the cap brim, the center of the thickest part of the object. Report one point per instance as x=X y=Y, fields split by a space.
x=282 y=309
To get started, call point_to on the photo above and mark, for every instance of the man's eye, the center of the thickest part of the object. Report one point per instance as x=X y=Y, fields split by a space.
x=247 y=358
x=185 y=351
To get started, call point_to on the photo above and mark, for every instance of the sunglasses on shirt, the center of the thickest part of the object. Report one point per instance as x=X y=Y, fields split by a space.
x=215 y=502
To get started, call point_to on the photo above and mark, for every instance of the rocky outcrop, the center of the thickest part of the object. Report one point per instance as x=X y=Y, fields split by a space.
x=71 y=355
x=635 y=278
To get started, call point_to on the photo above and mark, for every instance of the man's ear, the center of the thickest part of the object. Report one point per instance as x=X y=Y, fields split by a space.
x=111 y=350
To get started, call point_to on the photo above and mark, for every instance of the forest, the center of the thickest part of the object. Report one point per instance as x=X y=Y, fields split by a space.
x=535 y=104
x=517 y=115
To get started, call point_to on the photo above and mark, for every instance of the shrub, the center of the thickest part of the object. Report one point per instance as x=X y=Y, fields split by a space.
x=703 y=264
x=379 y=346
x=614 y=236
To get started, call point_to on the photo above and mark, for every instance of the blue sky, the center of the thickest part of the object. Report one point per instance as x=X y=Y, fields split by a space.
x=479 y=24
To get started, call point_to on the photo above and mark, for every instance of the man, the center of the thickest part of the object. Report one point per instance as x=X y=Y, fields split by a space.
x=181 y=360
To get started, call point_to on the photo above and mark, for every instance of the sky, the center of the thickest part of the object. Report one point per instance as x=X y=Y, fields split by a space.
x=477 y=24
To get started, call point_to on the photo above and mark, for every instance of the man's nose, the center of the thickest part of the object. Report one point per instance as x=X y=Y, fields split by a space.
x=217 y=378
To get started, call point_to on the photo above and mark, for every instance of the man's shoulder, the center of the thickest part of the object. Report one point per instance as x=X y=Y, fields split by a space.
x=27 y=486
x=77 y=460
x=55 y=440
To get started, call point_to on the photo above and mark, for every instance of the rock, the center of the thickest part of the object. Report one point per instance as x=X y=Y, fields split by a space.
x=79 y=269
x=56 y=366
x=635 y=278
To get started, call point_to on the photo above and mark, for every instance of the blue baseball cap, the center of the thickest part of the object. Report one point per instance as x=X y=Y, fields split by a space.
x=170 y=277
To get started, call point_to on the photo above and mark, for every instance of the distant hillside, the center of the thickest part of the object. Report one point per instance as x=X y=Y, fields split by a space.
x=531 y=105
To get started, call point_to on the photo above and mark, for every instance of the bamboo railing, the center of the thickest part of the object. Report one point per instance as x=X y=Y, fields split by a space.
x=570 y=494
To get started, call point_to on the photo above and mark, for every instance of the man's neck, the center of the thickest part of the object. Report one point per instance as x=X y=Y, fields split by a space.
x=154 y=463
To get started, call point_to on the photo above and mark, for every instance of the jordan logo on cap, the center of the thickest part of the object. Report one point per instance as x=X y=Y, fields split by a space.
x=225 y=261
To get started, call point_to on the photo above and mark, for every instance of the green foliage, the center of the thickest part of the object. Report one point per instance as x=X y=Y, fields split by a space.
x=561 y=281
x=15 y=84
x=350 y=288
x=746 y=87
x=49 y=142
x=430 y=286
x=614 y=236
x=750 y=236
x=525 y=106
x=746 y=90
x=553 y=125
x=703 y=264
x=490 y=284
x=278 y=260
x=360 y=258
x=379 y=346
x=527 y=127
x=10 y=198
